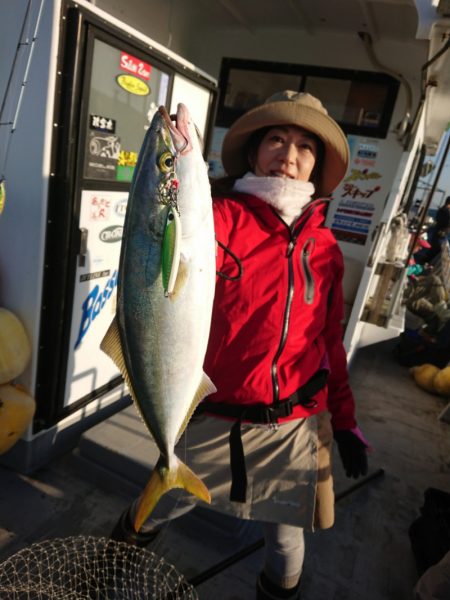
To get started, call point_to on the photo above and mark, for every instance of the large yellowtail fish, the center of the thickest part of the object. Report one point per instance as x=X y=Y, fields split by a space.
x=166 y=282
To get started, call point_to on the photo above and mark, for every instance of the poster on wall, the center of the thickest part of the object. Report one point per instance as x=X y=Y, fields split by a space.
x=352 y=220
x=102 y=215
x=360 y=196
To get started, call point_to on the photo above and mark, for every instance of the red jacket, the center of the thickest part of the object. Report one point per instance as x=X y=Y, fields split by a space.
x=274 y=327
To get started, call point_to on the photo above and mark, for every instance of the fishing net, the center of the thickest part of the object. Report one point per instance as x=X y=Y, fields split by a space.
x=87 y=568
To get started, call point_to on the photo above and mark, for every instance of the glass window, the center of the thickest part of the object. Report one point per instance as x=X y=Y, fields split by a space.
x=350 y=102
x=247 y=88
x=195 y=97
x=333 y=94
x=362 y=102
x=124 y=93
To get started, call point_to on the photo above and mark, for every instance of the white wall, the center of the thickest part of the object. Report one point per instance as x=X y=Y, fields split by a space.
x=23 y=222
x=328 y=49
x=180 y=26
x=170 y=23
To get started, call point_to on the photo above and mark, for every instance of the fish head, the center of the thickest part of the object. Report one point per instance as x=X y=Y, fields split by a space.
x=154 y=189
x=194 y=191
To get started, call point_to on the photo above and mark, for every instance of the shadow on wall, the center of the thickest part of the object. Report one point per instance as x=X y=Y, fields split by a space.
x=352 y=277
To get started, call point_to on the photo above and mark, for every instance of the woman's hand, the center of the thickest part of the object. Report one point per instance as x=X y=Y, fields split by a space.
x=353 y=452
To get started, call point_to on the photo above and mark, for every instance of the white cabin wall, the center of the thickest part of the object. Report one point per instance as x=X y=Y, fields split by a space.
x=170 y=23
x=27 y=171
x=179 y=25
x=326 y=48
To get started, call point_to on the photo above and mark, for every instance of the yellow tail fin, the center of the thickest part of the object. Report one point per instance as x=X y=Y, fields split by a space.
x=164 y=479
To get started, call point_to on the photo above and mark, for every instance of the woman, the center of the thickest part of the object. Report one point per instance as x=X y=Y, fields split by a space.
x=262 y=443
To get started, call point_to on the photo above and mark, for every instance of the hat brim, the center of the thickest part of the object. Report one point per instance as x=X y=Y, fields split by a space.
x=335 y=163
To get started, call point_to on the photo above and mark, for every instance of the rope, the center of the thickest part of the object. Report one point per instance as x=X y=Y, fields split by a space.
x=20 y=45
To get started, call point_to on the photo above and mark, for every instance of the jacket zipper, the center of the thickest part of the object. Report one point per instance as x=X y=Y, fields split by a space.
x=287 y=310
x=309 y=280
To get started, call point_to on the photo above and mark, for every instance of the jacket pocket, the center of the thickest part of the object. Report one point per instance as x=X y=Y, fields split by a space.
x=305 y=255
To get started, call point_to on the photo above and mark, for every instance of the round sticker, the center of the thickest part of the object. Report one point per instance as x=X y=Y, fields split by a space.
x=133 y=85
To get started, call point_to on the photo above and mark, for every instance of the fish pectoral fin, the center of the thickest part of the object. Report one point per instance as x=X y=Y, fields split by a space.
x=164 y=479
x=112 y=346
x=182 y=276
x=205 y=388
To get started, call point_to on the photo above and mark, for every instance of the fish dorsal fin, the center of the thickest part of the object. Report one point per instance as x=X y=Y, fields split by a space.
x=112 y=346
x=170 y=255
x=205 y=388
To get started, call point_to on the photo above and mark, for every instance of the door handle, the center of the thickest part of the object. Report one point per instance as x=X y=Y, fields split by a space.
x=82 y=250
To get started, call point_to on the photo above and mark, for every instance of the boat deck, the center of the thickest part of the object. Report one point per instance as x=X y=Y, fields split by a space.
x=365 y=556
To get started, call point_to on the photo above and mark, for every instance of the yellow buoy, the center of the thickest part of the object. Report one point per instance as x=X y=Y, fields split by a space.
x=442 y=382
x=424 y=376
x=16 y=412
x=15 y=349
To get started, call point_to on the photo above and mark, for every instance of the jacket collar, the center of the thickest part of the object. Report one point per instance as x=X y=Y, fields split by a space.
x=314 y=212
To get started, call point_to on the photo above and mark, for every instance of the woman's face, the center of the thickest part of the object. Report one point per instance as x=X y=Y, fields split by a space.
x=286 y=151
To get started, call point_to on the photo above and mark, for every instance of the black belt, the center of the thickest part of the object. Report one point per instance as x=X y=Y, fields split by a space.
x=261 y=414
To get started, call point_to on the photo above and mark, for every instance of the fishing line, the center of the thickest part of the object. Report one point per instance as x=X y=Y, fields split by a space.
x=236 y=260
x=164 y=528
x=26 y=23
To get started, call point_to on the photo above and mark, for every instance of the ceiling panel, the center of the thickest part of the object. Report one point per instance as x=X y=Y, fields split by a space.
x=390 y=19
x=394 y=20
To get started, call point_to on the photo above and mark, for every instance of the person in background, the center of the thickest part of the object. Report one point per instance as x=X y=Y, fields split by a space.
x=443 y=215
x=436 y=235
x=414 y=269
x=262 y=444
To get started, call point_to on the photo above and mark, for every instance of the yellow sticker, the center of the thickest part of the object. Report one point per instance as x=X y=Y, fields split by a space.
x=133 y=85
x=127 y=158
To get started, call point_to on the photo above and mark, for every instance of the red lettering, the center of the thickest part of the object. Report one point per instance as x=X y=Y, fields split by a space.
x=135 y=66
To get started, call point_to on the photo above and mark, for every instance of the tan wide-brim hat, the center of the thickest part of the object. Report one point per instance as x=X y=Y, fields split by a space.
x=290 y=108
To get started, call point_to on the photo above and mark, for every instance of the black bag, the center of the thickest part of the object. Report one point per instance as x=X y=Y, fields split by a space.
x=430 y=533
x=413 y=350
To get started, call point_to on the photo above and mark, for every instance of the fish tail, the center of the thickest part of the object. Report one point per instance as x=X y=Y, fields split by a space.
x=164 y=479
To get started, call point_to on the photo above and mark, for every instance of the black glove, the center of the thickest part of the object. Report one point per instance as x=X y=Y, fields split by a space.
x=352 y=452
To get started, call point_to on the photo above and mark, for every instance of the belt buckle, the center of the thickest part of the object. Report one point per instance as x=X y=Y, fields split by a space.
x=270 y=416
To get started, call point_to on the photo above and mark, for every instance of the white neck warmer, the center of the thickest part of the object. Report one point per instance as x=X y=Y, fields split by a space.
x=287 y=196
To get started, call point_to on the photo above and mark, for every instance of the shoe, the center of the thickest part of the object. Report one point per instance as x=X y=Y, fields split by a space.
x=267 y=590
x=124 y=532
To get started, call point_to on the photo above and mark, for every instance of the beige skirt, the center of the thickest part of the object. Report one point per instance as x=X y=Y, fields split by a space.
x=289 y=477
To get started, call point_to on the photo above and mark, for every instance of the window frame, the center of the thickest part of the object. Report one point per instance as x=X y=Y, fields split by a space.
x=226 y=115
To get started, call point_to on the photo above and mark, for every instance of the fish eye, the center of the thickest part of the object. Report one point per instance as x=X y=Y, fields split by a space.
x=166 y=162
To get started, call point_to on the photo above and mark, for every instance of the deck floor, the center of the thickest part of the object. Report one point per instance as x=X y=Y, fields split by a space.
x=365 y=556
